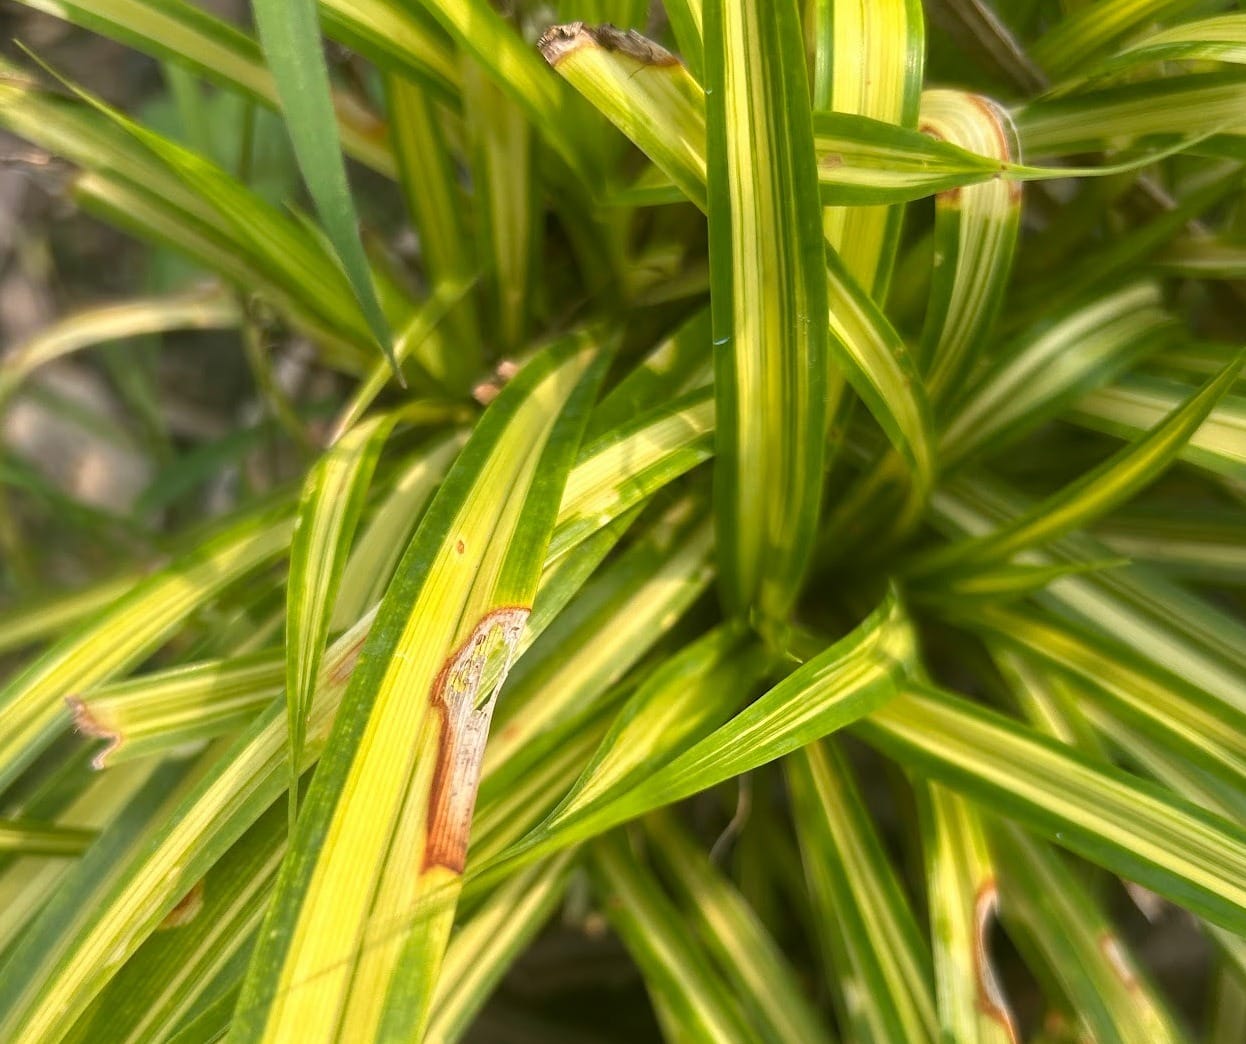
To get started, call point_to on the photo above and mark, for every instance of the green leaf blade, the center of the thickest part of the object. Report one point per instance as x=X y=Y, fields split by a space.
x=328 y=512
x=685 y=987
x=290 y=35
x=768 y=297
x=399 y=776
x=863 y=924
x=1136 y=830
x=1096 y=492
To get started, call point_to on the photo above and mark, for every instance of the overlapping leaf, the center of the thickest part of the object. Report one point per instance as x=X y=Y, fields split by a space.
x=768 y=292
x=397 y=784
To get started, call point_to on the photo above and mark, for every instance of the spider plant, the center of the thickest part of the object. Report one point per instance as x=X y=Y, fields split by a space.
x=784 y=508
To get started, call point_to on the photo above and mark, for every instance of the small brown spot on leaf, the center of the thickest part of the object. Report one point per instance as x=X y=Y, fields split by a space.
x=460 y=546
x=342 y=671
x=1055 y=1023
x=186 y=910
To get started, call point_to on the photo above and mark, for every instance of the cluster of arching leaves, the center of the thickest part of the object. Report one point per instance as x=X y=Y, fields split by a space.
x=816 y=428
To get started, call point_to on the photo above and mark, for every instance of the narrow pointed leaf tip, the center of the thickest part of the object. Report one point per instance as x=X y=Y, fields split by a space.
x=1095 y=492
x=289 y=32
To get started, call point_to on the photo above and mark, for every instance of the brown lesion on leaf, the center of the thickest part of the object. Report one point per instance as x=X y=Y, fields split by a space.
x=1004 y=146
x=186 y=910
x=558 y=41
x=342 y=669
x=1000 y=123
x=995 y=117
x=949 y=197
x=991 y=1001
x=88 y=724
x=463 y=721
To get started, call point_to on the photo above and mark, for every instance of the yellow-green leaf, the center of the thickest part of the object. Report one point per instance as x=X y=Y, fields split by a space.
x=396 y=787
x=768 y=293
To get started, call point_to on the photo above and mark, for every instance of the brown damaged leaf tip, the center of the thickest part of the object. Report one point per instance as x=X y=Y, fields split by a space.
x=1005 y=137
x=995 y=117
x=560 y=40
x=89 y=725
x=464 y=727
x=991 y=1000
x=1005 y=148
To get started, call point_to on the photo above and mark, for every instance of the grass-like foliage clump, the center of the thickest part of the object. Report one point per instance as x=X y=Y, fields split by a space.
x=760 y=526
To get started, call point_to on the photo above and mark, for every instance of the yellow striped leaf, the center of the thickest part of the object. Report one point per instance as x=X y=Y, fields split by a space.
x=863 y=923
x=887 y=41
x=61 y=973
x=331 y=503
x=768 y=293
x=1110 y=817
x=648 y=95
x=964 y=899
x=158 y=712
x=396 y=787
x=695 y=1001
x=749 y=959
x=482 y=949
x=1078 y=947
x=1094 y=493
x=33 y=702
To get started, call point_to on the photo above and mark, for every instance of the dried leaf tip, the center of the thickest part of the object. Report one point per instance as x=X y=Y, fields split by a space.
x=991 y=1000
x=89 y=725
x=560 y=40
